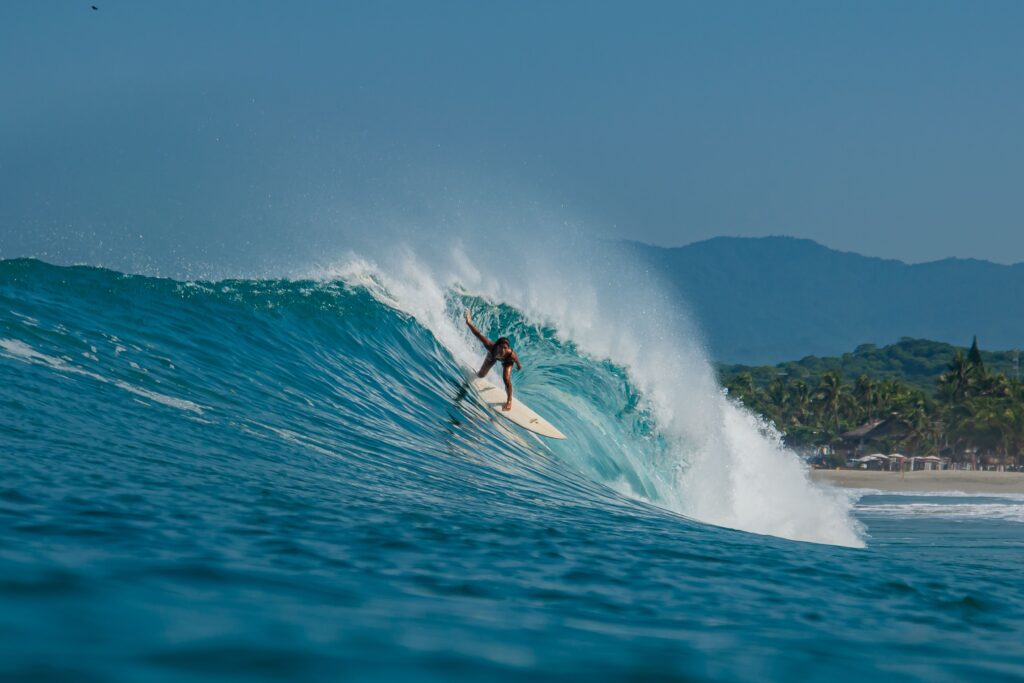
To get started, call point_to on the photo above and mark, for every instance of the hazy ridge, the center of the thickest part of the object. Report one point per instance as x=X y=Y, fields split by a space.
x=772 y=299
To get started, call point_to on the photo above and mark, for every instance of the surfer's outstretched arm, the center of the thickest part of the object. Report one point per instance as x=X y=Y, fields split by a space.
x=507 y=376
x=478 y=334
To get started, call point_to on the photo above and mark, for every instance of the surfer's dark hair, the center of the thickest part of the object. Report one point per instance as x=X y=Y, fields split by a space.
x=503 y=340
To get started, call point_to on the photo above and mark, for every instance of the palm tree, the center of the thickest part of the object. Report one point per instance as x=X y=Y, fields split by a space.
x=911 y=413
x=799 y=401
x=960 y=373
x=887 y=393
x=978 y=424
x=778 y=399
x=1014 y=434
x=866 y=392
x=832 y=394
x=946 y=392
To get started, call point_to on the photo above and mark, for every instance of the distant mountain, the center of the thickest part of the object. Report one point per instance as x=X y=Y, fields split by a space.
x=765 y=300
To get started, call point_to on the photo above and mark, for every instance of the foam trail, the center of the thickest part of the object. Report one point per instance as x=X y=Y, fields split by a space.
x=19 y=350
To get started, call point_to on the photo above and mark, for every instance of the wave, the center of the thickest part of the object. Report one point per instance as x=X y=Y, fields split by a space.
x=365 y=367
x=953 y=505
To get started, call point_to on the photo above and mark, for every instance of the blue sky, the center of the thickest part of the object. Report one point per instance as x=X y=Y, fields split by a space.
x=198 y=128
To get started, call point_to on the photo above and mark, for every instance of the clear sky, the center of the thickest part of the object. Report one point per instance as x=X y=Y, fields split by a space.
x=887 y=128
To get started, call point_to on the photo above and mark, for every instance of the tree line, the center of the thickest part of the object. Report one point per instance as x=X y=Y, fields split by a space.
x=973 y=412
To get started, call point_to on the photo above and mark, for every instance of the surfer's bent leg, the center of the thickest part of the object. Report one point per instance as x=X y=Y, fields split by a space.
x=485 y=368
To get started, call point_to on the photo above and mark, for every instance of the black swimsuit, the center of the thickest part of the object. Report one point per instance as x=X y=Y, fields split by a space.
x=505 y=362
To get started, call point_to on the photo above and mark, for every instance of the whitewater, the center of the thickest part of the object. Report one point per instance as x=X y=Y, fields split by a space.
x=289 y=477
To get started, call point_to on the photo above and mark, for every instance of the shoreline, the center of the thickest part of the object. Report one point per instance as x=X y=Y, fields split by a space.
x=964 y=481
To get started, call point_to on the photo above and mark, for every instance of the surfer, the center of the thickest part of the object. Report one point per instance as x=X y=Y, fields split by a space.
x=499 y=351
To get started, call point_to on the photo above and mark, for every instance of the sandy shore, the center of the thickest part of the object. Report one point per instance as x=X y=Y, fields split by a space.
x=949 y=480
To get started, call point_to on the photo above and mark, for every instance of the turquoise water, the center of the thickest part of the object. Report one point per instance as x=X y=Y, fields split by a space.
x=276 y=480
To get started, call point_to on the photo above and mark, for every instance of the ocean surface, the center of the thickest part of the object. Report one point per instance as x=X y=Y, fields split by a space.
x=289 y=480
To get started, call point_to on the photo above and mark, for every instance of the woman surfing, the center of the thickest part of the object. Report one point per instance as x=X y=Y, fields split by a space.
x=499 y=351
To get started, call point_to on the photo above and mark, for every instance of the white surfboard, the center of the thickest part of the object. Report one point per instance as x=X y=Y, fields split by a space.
x=520 y=413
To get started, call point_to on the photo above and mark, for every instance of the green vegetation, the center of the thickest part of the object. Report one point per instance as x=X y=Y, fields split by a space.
x=970 y=408
x=917 y=363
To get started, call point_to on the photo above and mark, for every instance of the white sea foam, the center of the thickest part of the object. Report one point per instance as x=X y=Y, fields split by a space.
x=861 y=494
x=1009 y=511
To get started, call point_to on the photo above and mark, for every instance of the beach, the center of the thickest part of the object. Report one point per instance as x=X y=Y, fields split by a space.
x=929 y=480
